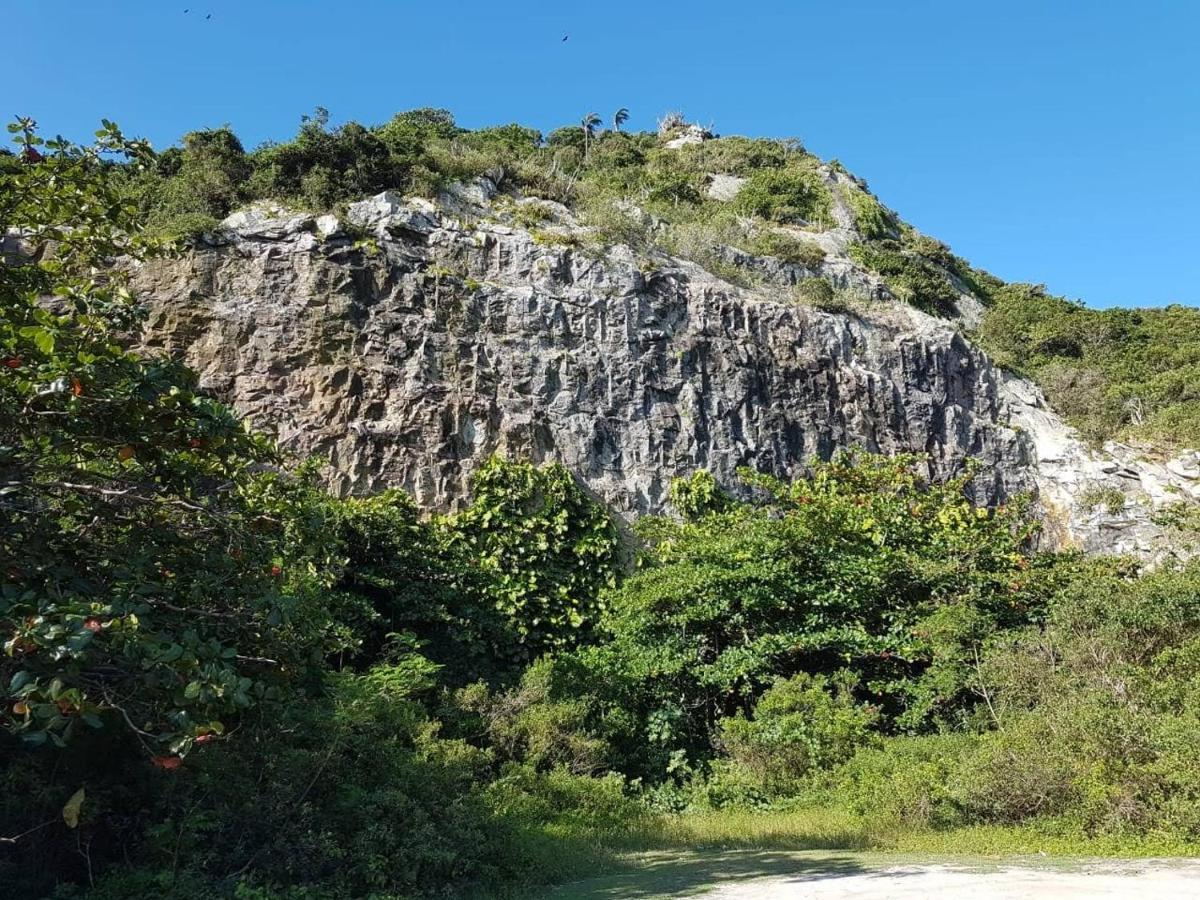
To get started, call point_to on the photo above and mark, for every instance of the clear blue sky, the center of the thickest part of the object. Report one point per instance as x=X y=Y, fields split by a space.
x=1048 y=141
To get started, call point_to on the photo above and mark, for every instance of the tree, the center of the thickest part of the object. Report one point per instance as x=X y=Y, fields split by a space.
x=589 y=123
x=864 y=566
x=620 y=117
x=145 y=577
x=546 y=547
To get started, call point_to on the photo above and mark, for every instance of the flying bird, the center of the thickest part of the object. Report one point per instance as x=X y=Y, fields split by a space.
x=565 y=36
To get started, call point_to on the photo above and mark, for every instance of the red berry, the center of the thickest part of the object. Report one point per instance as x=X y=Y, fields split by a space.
x=12 y=362
x=166 y=763
x=275 y=570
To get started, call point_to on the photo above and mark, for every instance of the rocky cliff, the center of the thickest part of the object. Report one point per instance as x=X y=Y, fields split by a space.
x=410 y=342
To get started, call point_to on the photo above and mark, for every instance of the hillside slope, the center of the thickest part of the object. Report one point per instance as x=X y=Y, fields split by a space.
x=410 y=339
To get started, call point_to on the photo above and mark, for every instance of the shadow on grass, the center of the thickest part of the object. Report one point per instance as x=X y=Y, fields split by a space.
x=665 y=875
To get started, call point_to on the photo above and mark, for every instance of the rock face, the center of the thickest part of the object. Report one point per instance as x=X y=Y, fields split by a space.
x=407 y=359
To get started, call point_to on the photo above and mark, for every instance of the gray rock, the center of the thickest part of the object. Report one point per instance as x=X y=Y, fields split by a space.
x=328 y=226
x=408 y=367
x=724 y=187
x=468 y=198
x=391 y=211
x=266 y=220
x=693 y=134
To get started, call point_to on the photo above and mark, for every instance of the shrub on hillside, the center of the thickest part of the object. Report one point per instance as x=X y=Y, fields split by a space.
x=912 y=278
x=843 y=568
x=792 y=195
x=787 y=249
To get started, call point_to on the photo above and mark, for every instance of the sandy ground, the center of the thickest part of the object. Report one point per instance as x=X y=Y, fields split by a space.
x=1140 y=880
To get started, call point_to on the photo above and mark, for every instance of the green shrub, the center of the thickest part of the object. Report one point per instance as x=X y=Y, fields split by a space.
x=910 y=277
x=904 y=782
x=350 y=797
x=787 y=249
x=565 y=824
x=1129 y=374
x=1111 y=498
x=794 y=194
x=698 y=495
x=819 y=293
x=530 y=215
x=799 y=725
x=531 y=724
x=846 y=565
x=737 y=155
x=871 y=218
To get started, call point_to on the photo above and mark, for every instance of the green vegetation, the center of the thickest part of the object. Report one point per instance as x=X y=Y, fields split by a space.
x=1130 y=374
x=793 y=194
x=872 y=219
x=220 y=681
x=911 y=276
x=787 y=249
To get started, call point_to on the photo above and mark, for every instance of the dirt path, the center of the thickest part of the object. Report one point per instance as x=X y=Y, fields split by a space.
x=1093 y=881
x=824 y=875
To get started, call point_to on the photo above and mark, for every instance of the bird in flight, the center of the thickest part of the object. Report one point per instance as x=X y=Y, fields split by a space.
x=209 y=16
x=565 y=36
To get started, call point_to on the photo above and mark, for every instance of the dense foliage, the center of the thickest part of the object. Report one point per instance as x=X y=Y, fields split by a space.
x=192 y=631
x=220 y=681
x=1125 y=373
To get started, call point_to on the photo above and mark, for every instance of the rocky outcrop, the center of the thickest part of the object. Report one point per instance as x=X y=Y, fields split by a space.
x=442 y=333
x=1116 y=499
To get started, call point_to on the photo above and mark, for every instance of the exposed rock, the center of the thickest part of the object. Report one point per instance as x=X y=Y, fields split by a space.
x=391 y=211
x=1074 y=480
x=266 y=221
x=328 y=226
x=692 y=134
x=724 y=187
x=468 y=198
x=463 y=337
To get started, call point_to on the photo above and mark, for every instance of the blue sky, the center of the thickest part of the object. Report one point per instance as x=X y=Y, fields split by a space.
x=1048 y=141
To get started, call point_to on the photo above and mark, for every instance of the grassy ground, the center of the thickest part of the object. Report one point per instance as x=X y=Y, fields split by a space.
x=683 y=855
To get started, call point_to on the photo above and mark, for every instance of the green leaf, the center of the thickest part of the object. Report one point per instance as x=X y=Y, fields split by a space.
x=42 y=338
x=70 y=812
x=19 y=681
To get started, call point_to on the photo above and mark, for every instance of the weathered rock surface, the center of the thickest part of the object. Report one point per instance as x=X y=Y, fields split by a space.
x=408 y=363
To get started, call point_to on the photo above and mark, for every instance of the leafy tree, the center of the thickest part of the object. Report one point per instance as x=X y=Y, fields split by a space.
x=546 y=548
x=323 y=165
x=864 y=566
x=144 y=584
x=190 y=189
